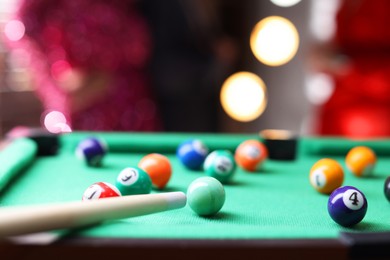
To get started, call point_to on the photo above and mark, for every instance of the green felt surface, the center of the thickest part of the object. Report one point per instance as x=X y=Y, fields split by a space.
x=336 y=146
x=18 y=155
x=274 y=203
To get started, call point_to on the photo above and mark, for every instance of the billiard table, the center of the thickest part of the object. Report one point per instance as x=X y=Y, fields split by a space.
x=272 y=212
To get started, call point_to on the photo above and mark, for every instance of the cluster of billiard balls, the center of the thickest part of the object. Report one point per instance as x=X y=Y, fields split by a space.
x=153 y=170
x=347 y=205
x=221 y=164
x=206 y=195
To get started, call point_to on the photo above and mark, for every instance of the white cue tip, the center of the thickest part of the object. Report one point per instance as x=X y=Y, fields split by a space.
x=175 y=199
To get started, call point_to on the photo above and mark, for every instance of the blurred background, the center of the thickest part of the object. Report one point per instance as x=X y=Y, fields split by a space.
x=207 y=66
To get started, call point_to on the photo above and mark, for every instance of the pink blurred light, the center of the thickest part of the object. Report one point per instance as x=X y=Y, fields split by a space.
x=54 y=121
x=14 y=30
x=59 y=68
x=63 y=128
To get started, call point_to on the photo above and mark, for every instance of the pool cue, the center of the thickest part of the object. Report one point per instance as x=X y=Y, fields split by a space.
x=20 y=220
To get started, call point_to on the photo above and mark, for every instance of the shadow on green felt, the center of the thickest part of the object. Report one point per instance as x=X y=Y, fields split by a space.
x=221 y=216
x=377 y=176
x=264 y=169
x=73 y=232
x=236 y=183
x=363 y=226
x=191 y=171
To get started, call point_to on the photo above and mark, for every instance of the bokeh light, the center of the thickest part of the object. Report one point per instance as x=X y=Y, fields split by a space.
x=274 y=41
x=322 y=19
x=243 y=96
x=59 y=68
x=364 y=121
x=55 y=122
x=62 y=128
x=285 y=3
x=14 y=30
x=319 y=88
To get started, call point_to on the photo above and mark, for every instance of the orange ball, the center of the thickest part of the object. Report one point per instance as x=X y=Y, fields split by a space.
x=326 y=175
x=361 y=161
x=250 y=154
x=158 y=167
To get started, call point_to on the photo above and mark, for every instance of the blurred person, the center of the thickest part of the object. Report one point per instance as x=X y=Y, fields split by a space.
x=88 y=60
x=358 y=59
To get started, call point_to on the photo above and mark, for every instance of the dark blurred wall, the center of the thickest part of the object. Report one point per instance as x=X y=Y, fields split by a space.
x=197 y=45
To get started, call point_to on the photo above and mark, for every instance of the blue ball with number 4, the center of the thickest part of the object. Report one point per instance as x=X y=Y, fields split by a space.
x=347 y=206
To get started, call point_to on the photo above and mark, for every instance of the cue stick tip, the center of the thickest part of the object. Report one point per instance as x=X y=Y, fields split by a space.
x=175 y=199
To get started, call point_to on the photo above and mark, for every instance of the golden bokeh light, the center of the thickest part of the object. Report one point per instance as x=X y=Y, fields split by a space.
x=274 y=41
x=243 y=96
